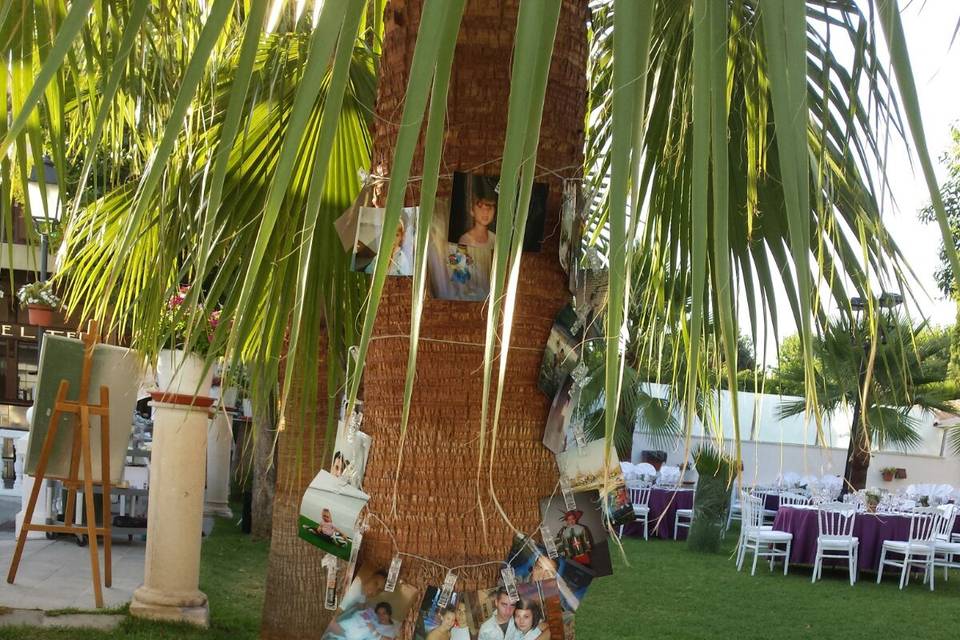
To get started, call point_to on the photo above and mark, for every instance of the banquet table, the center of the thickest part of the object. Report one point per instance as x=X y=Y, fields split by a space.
x=871 y=528
x=663 y=502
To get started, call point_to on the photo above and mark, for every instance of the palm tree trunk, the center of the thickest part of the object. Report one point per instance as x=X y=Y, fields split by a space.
x=437 y=515
x=858 y=451
x=293 y=602
x=264 y=468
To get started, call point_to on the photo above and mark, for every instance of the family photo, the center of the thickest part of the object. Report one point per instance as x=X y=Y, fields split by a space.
x=367 y=241
x=328 y=514
x=579 y=533
x=367 y=612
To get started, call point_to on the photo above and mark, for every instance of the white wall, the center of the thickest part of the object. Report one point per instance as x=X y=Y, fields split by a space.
x=770 y=446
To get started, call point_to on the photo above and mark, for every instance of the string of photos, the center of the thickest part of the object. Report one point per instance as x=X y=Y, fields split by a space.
x=546 y=572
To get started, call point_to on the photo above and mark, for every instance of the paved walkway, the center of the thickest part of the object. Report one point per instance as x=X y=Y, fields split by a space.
x=55 y=574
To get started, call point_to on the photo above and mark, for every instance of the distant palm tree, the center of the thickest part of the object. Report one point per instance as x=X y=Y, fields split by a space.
x=909 y=370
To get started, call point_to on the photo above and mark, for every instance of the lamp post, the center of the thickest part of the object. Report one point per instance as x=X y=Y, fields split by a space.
x=43 y=191
x=858 y=451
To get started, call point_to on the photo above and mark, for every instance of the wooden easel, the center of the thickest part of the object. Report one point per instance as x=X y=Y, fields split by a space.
x=80 y=452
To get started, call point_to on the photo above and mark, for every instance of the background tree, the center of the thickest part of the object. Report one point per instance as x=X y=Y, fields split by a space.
x=909 y=370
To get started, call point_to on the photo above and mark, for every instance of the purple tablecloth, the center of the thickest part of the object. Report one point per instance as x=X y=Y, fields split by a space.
x=663 y=503
x=872 y=529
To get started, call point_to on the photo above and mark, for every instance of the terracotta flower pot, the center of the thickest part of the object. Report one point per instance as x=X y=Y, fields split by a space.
x=888 y=476
x=41 y=315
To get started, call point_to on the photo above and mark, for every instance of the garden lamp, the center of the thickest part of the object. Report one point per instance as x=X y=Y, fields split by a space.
x=44 y=204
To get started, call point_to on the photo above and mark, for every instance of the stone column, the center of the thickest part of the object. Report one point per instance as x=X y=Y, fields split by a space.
x=219 y=441
x=171 y=579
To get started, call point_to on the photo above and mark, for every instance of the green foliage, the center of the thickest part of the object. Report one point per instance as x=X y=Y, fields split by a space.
x=950 y=192
x=910 y=369
x=715 y=474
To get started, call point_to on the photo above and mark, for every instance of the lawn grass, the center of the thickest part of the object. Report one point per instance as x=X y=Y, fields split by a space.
x=667 y=592
x=232 y=574
x=670 y=592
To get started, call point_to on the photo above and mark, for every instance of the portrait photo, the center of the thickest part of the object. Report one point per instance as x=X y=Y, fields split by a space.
x=367 y=241
x=579 y=533
x=455 y=621
x=328 y=514
x=463 y=235
x=561 y=354
x=367 y=612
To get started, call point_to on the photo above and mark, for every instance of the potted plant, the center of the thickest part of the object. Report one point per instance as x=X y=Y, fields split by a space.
x=41 y=302
x=888 y=473
x=180 y=371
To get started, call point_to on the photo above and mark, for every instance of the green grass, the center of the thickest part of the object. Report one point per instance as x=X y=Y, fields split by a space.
x=670 y=592
x=232 y=573
x=667 y=592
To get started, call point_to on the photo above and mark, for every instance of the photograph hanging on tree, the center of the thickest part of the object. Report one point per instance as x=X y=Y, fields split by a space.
x=463 y=236
x=557 y=428
x=531 y=563
x=328 y=514
x=350 y=455
x=537 y=614
x=561 y=354
x=583 y=466
x=618 y=509
x=454 y=621
x=367 y=241
x=579 y=533
x=367 y=612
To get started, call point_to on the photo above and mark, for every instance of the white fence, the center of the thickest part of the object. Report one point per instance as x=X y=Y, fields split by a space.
x=771 y=446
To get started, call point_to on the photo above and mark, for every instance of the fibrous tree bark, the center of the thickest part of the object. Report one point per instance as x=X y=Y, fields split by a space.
x=437 y=513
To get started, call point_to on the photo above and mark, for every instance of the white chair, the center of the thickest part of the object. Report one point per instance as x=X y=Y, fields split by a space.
x=640 y=497
x=733 y=512
x=835 y=538
x=684 y=518
x=762 y=540
x=945 y=551
x=918 y=550
x=769 y=515
x=792 y=499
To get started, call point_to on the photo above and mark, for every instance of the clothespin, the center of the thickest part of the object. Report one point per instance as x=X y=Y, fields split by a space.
x=393 y=573
x=569 y=501
x=510 y=582
x=447 y=590
x=330 y=593
x=548 y=542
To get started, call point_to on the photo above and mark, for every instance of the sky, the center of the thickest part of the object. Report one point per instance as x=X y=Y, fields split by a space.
x=929 y=26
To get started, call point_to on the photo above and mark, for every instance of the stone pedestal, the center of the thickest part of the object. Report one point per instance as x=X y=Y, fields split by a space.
x=175 y=513
x=25 y=485
x=219 y=441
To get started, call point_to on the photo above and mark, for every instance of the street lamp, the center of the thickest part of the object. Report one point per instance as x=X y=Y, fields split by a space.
x=857 y=448
x=45 y=206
